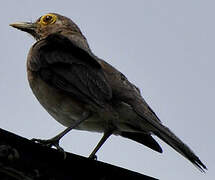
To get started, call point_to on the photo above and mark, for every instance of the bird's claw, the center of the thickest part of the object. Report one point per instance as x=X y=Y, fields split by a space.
x=93 y=157
x=50 y=143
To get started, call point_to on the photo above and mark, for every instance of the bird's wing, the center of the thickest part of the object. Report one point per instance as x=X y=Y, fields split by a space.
x=64 y=65
x=124 y=90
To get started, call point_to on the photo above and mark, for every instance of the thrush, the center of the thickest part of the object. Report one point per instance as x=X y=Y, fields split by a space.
x=82 y=91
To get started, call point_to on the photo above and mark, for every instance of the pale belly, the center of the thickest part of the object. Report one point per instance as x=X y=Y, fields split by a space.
x=66 y=110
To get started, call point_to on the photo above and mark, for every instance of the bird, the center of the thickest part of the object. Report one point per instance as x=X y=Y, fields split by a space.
x=82 y=91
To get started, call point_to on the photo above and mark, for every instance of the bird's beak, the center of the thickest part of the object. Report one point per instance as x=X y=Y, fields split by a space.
x=24 y=26
x=28 y=27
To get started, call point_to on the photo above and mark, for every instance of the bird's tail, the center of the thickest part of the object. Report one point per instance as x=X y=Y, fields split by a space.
x=171 y=139
x=145 y=112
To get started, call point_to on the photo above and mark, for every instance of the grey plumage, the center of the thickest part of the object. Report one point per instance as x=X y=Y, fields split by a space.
x=69 y=80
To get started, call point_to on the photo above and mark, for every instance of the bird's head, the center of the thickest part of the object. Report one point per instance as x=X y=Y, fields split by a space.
x=48 y=24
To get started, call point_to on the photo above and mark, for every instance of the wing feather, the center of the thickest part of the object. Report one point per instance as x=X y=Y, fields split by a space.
x=64 y=65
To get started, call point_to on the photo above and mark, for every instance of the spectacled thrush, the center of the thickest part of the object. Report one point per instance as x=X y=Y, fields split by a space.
x=82 y=91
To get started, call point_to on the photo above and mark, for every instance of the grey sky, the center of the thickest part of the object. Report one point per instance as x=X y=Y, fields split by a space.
x=165 y=47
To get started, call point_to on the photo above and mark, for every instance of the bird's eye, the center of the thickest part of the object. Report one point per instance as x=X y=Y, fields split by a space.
x=48 y=19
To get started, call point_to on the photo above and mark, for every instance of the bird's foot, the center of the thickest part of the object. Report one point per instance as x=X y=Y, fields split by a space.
x=50 y=143
x=93 y=157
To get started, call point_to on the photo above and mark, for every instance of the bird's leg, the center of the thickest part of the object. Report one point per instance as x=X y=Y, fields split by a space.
x=55 y=140
x=101 y=142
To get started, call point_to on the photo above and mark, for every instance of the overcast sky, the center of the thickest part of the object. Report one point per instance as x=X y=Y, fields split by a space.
x=165 y=47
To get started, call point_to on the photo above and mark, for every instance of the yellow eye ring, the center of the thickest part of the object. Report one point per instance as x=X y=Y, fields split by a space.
x=48 y=19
